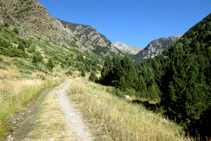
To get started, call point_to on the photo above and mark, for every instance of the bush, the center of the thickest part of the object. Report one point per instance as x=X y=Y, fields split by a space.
x=37 y=57
x=26 y=71
x=93 y=77
x=50 y=64
x=15 y=30
x=6 y=25
x=21 y=46
x=42 y=68
x=13 y=52
x=83 y=73
x=69 y=73
x=118 y=93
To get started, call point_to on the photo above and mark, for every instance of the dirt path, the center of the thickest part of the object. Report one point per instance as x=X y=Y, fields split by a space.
x=76 y=124
x=57 y=119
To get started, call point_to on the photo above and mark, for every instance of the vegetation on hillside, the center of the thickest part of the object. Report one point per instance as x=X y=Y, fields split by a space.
x=180 y=78
x=27 y=65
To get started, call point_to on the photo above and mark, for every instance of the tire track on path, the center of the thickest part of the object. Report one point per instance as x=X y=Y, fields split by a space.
x=76 y=125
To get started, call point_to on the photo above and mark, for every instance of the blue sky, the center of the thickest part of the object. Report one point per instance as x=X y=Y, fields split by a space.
x=133 y=22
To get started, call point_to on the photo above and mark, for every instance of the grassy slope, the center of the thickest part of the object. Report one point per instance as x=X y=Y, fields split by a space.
x=111 y=118
x=16 y=92
x=21 y=80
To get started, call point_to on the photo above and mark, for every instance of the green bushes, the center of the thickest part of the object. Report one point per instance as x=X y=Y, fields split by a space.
x=69 y=73
x=93 y=77
x=13 y=52
x=16 y=30
x=50 y=65
x=37 y=57
x=83 y=73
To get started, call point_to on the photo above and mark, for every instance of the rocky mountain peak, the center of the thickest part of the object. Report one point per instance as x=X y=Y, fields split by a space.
x=125 y=48
x=156 y=47
x=136 y=48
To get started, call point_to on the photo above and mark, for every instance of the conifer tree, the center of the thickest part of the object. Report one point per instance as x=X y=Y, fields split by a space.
x=106 y=76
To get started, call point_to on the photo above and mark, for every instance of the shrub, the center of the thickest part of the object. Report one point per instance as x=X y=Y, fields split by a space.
x=37 y=57
x=50 y=64
x=21 y=46
x=6 y=25
x=26 y=71
x=83 y=73
x=27 y=76
x=3 y=67
x=16 y=30
x=118 y=93
x=42 y=68
x=69 y=73
x=93 y=77
x=32 y=49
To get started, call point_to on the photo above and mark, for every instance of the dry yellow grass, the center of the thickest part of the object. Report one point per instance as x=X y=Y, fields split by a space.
x=50 y=123
x=15 y=94
x=111 y=118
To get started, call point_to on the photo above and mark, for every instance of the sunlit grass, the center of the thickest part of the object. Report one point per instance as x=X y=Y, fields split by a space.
x=112 y=118
x=16 y=94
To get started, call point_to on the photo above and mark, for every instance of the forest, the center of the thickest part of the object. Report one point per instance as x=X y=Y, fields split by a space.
x=179 y=78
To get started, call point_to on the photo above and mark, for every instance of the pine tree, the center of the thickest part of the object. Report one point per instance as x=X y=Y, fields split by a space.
x=83 y=73
x=106 y=73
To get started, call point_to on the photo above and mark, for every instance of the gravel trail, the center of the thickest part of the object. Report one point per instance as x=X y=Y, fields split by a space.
x=76 y=125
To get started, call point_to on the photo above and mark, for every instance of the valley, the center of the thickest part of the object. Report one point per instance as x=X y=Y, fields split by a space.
x=65 y=81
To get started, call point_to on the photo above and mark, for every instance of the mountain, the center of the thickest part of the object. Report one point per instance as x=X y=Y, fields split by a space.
x=125 y=48
x=136 y=48
x=32 y=16
x=156 y=47
x=90 y=38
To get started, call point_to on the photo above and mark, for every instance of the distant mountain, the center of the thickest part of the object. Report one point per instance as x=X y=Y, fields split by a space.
x=156 y=47
x=125 y=48
x=136 y=48
x=91 y=38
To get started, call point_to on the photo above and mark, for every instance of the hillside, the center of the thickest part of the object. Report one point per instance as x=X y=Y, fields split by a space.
x=32 y=16
x=155 y=48
x=91 y=39
x=36 y=52
x=125 y=48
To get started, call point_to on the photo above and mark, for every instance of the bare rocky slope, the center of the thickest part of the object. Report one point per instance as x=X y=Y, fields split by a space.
x=136 y=48
x=155 y=48
x=32 y=16
x=125 y=48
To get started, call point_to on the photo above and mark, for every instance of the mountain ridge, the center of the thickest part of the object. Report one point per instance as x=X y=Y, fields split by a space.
x=125 y=48
x=156 y=47
x=32 y=16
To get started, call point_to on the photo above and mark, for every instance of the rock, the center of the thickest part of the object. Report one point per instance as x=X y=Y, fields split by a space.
x=1 y=78
x=127 y=96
